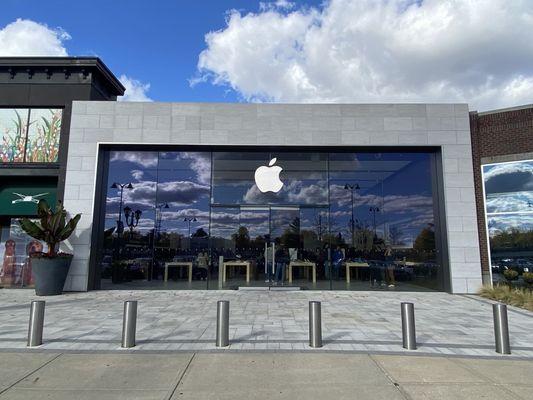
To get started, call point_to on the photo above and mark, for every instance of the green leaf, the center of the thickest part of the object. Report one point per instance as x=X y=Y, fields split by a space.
x=32 y=229
x=52 y=227
x=69 y=228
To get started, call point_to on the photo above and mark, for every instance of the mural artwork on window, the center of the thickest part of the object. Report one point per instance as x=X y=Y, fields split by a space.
x=30 y=135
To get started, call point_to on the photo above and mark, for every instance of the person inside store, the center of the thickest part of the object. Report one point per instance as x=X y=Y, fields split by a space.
x=337 y=259
x=282 y=259
x=202 y=261
x=389 y=267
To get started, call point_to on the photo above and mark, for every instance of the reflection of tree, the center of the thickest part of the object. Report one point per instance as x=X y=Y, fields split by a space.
x=395 y=235
x=200 y=233
x=241 y=238
x=425 y=242
x=512 y=238
x=291 y=235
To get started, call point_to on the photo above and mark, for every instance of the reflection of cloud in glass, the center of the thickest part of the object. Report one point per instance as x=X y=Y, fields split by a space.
x=301 y=193
x=200 y=163
x=144 y=159
x=509 y=177
x=137 y=174
x=141 y=197
x=183 y=213
x=143 y=194
x=505 y=202
x=178 y=193
x=398 y=204
x=502 y=223
x=296 y=192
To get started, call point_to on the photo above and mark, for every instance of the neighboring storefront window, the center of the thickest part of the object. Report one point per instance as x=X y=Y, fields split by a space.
x=15 y=249
x=30 y=135
x=509 y=211
x=19 y=197
x=322 y=220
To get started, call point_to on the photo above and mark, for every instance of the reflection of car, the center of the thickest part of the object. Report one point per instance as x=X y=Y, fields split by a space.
x=105 y=266
x=520 y=265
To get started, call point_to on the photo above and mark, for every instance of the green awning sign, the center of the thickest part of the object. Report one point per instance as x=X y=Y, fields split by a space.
x=22 y=200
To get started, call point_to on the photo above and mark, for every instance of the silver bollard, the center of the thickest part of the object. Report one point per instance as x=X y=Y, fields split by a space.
x=315 y=324
x=222 y=323
x=501 y=328
x=129 y=324
x=408 y=326
x=35 y=329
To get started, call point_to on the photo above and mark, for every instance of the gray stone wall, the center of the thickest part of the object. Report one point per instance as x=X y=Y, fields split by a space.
x=443 y=125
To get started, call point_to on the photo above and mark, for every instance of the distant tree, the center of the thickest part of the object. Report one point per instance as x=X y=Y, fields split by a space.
x=241 y=238
x=200 y=233
x=395 y=235
x=512 y=238
x=425 y=241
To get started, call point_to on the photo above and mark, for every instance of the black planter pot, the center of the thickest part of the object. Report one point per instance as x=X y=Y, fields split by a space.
x=50 y=274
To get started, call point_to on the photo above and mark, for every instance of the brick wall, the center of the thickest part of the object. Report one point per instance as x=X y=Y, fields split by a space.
x=497 y=134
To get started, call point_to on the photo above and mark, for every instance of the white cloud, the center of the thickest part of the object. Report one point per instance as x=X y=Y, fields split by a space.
x=28 y=38
x=135 y=90
x=279 y=4
x=25 y=37
x=475 y=51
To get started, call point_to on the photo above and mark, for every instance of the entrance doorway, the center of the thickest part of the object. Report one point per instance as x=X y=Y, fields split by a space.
x=271 y=246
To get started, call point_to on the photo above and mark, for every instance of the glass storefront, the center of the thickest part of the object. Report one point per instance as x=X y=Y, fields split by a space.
x=308 y=219
x=509 y=214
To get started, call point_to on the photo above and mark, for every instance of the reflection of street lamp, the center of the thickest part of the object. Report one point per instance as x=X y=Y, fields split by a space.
x=157 y=228
x=189 y=220
x=374 y=210
x=352 y=189
x=116 y=185
x=319 y=227
x=159 y=215
x=132 y=218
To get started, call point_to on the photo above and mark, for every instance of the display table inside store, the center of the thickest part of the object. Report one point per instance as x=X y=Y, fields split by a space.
x=357 y=265
x=178 y=264
x=302 y=264
x=245 y=264
x=142 y=263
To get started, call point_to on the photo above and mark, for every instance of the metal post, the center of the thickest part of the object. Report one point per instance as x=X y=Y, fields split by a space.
x=501 y=328
x=408 y=326
x=220 y=272
x=315 y=324
x=222 y=323
x=35 y=329
x=129 y=324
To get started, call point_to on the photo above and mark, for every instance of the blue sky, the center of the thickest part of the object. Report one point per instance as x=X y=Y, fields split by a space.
x=156 y=44
x=337 y=51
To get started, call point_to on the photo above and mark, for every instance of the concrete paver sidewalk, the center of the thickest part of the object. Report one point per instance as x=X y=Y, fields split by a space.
x=308 y=376
x=364 y=322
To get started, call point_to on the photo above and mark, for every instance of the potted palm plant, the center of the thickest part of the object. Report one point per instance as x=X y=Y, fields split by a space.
x=50 y=269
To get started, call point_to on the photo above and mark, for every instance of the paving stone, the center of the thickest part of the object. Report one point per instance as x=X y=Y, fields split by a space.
x=108 y=371
x=456 y=392
x=186 y=320
x=503 y=371
x=24 y=394
x=14 y=366
x=405 y=369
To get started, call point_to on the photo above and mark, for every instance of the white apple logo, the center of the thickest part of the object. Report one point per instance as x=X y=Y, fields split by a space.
x=267 y=178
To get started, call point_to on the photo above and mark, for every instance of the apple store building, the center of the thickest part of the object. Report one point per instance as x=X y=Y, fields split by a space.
x=272 y=197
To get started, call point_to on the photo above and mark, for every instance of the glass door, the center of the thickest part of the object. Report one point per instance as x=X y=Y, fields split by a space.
x=240 y=237
x=263 y=246
x=301 y=236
